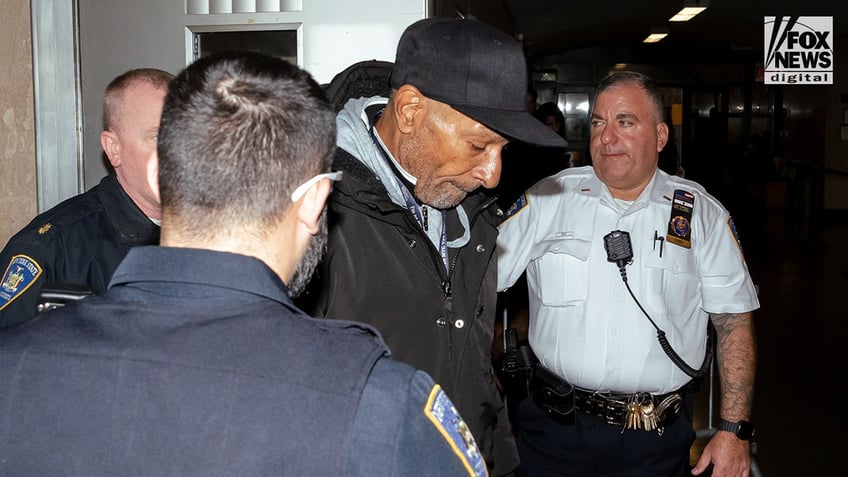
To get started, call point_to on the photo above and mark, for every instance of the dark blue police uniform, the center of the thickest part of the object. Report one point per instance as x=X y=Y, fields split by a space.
x=80 y=241
x=197 y=363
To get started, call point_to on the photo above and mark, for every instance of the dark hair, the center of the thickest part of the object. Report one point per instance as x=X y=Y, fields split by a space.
x=551 y=109
x=643 y=81
x=115 y=91
x=239 y=132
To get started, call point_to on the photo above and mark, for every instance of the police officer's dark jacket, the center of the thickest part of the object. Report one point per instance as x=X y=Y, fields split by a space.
x=197 y=363
x=80 y=241
x=381 y=268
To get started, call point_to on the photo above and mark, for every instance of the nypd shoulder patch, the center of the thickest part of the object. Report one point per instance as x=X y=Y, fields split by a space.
x=516 y=207
x=444 y=416
x=732 y=227
x=21 y=273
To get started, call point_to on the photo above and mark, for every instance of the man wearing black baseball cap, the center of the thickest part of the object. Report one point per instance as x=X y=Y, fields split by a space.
x=411 y=235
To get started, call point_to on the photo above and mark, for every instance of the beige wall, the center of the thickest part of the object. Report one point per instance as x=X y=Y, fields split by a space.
x=18 y=196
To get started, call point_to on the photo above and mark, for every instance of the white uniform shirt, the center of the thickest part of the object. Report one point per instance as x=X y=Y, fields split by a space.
x=584 y=325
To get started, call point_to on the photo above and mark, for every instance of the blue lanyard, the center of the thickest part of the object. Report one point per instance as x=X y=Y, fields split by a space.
x=413 y=207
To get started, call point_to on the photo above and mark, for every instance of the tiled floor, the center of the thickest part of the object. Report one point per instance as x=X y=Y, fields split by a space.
x=800 y=406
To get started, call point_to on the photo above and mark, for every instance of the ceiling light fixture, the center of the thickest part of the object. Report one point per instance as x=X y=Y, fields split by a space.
x=656 y=35
x=689 y=10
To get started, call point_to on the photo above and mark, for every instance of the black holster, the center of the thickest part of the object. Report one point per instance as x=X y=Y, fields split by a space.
x=554 y=396
x=516 y=367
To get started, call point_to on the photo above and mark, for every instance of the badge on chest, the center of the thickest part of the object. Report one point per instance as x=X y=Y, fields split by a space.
x=680 y=223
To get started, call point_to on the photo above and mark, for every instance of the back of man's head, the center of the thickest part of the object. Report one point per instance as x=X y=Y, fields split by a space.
x=239 y=132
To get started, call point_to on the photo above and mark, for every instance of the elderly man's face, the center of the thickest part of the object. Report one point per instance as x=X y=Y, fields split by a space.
x=451 y=155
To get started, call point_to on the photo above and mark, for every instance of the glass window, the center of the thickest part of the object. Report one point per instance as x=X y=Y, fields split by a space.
x=279 y=43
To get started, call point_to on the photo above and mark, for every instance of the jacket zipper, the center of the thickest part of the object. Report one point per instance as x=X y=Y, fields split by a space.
x=446 y=286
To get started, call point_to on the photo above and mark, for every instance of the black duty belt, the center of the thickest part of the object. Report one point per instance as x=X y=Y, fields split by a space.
x=558 y=399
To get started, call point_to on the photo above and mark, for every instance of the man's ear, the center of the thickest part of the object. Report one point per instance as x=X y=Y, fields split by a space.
x=153 y=175
x=408 y=103
x=112 y=147
x=311 y=206
x=662 y=136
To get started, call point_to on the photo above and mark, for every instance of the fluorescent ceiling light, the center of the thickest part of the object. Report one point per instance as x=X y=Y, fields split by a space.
x=686 y=13
x=654 y=37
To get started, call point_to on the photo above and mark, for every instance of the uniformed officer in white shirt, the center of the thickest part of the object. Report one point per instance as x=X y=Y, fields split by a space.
x=574 y=234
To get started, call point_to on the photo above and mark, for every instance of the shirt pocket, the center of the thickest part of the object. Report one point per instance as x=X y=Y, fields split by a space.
x=675 y=276
x=563 y=272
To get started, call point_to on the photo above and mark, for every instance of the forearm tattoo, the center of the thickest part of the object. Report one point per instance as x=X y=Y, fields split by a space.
x=736 y=363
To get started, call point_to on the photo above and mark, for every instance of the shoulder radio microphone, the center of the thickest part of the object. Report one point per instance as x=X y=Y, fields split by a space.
x=619 y=250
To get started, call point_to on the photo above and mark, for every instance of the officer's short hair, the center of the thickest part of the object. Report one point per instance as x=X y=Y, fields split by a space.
x=115 y=91
x=641 y=80
x=239 y=131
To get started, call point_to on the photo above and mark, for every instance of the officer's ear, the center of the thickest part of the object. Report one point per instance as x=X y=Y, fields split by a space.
x=153 y=175
x=662 y=136
x=112 y=147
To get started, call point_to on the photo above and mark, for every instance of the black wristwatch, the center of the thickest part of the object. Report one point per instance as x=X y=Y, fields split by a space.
x=742 y=429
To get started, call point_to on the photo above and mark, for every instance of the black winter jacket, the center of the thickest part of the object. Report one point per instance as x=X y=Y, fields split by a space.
x=380 y=268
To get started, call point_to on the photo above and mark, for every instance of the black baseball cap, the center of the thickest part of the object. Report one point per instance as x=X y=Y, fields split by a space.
x=475 y=68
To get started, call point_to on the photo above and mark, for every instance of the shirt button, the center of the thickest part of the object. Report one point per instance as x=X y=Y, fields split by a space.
x=441 y=322
x=481 y=248
x=459 y=323
x=411 y=243
x=614 y=332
